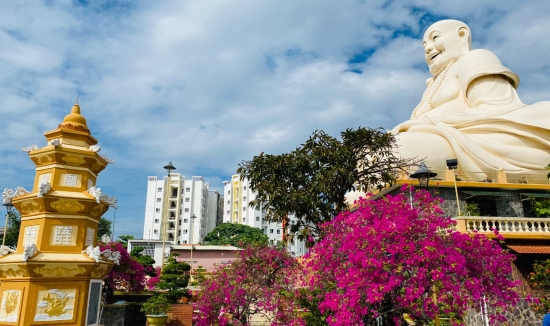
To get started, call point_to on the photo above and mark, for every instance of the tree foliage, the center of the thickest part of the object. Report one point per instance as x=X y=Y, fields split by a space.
x=386 y=259
x=236 y=235
x=14 y=225
x=174 y=277
x=312 y=181
x=124 y=239
x=129 y=275
x=539 y=280
x=104 y=227
x=144 y=260
x=263 y=280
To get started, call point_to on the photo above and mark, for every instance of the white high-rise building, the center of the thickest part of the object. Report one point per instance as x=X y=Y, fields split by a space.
x=237 y=195
x=170 y=204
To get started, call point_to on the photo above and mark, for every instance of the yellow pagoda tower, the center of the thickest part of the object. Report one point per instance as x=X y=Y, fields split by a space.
x=55 y=275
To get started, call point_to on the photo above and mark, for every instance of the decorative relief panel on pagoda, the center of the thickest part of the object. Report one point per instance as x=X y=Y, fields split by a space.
x=31 y=233
x=10 y=305
x=67 y=206
x=30 y=206
x=55 y=304
x=90 y=233
x=46 y=177
x=73 y=159
x=9 y=271
x=71 y=180
x=59 y=270
x=43 y=159
x=64 y=235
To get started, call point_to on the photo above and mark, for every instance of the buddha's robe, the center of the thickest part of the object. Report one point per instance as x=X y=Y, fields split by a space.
x=477 y=117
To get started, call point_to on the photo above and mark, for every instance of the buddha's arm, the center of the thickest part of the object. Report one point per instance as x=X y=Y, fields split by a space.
x=409 y=123
x=490 y=90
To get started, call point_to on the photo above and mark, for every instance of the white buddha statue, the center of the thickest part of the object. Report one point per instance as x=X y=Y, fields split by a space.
x=471 y=111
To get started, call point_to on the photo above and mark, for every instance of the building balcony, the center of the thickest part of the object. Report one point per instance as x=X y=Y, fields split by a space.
x=508 y=227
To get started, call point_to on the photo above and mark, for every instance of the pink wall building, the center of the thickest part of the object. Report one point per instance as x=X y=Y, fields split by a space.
x=206 y=256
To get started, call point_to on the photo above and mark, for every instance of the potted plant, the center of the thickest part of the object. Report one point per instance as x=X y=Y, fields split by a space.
x=156 y=308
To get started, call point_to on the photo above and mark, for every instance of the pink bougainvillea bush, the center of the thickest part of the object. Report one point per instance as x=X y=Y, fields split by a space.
x=129 y=275
x=386 y=259
x=262 y=281
x=153 y=280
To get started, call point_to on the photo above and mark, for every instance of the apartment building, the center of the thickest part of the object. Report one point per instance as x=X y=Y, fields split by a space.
x=171 y=204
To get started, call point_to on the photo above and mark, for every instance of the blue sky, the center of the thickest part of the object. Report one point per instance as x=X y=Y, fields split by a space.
x=207 y=84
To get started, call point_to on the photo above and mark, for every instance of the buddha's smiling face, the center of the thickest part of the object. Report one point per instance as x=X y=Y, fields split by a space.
x=444 y=41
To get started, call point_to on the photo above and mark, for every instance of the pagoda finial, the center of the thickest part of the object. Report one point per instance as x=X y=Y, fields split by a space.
x=75 y=120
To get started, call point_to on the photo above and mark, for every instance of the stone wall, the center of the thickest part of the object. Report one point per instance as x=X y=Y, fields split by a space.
x=521 y=316
x=127 y=314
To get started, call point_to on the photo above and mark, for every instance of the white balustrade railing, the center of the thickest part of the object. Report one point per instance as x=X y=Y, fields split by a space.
x=506 y=224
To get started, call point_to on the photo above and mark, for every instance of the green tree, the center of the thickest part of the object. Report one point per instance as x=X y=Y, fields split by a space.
x=174 y=277
x=539 y=280
x=124 y=239
x=14 y=224
x=199 y=276
x=236 y=235
x=104 y=227
x=144 y=260
x=312 y=181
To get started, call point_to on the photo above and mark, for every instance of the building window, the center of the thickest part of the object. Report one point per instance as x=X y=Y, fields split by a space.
x=227 y=212
x=187 y=209
x=185 y=220
x=158 y=200
x=228 y=192
x=156 y=231
x=156 y=220
x=187 y=189
x=270 y=230
x=244 y=198
x=278 y=231
x=244 y=187
x=159 y=189
x=157 y=210
x=184 y=241
x=257 y=218
x=244 y=219
x=185 y=231
x=187 y=199
x=244 y=209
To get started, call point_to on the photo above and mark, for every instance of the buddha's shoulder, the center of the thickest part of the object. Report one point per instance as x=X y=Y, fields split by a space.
x=478 y=58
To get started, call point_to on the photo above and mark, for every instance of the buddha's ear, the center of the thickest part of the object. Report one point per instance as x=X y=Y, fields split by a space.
x=465 y=39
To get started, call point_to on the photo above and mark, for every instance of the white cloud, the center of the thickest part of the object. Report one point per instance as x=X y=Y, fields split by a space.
x=209 y=84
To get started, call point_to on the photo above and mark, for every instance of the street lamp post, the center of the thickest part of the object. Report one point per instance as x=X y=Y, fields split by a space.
x=452 y=164
x=9 y=207
x=423 y=174
x=193 y=217
x=169 y=168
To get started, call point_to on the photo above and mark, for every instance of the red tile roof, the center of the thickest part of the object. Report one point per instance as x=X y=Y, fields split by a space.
x=529 y=249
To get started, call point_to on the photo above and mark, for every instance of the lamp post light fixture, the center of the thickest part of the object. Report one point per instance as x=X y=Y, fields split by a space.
x=193 y=217
x=452 y=164
x=423 y=174
x=9 y=207
x=169 y=168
